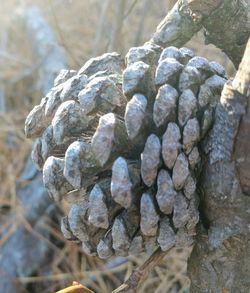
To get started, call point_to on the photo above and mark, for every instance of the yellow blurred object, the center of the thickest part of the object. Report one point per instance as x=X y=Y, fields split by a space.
x=75 y=288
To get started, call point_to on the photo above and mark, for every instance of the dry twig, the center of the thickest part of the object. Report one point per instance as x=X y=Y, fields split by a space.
x=141 y=273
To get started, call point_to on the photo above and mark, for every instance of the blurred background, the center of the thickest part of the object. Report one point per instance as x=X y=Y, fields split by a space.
x=37 y=39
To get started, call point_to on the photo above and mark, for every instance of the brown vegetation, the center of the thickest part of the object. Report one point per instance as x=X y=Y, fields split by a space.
x=82 y=32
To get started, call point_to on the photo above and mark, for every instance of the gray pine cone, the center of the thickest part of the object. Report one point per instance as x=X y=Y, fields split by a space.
x=122 y=145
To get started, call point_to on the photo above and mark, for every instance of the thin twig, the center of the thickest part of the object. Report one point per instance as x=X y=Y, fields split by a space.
x=115 y=37
x=141 y=273
x=13 y=58
x=66 y=276
x=100 y=27
x=61 y=34
x=3 y=46
x=139 y=33
x=130 y=9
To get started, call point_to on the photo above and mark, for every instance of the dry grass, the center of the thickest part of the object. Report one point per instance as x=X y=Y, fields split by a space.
x=75 y=23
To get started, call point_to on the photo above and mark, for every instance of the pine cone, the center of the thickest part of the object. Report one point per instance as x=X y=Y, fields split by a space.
x=122 y=145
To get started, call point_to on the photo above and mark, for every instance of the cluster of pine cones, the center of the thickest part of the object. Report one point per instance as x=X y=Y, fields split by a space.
x=120 y=140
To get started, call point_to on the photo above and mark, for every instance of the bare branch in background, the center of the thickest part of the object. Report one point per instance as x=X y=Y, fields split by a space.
x=3 y=45
x=130 y=9
x=141 y=23
x=61 y=33
x=221 y=208
x=116 y=38
x=19 y=256
x=45 y=46
x=170 y=4
x=2 y=100
x=100 y=27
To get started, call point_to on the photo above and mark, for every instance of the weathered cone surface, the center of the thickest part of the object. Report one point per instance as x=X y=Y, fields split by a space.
x=125 y=141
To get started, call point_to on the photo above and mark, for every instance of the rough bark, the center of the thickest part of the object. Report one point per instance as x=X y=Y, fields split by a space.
x=221 y=257
x=226 y=24
x=224 y=204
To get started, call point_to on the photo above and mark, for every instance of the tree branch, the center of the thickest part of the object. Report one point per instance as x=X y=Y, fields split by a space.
x=141 y=273
x=242 y=148
x=221 y=256
x=226 y=24
x=175 y=29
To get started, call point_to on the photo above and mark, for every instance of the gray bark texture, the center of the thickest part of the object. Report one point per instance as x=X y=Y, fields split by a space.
x=206 y=129
x=221 y=256
x=226 y=24
x=220 y=261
